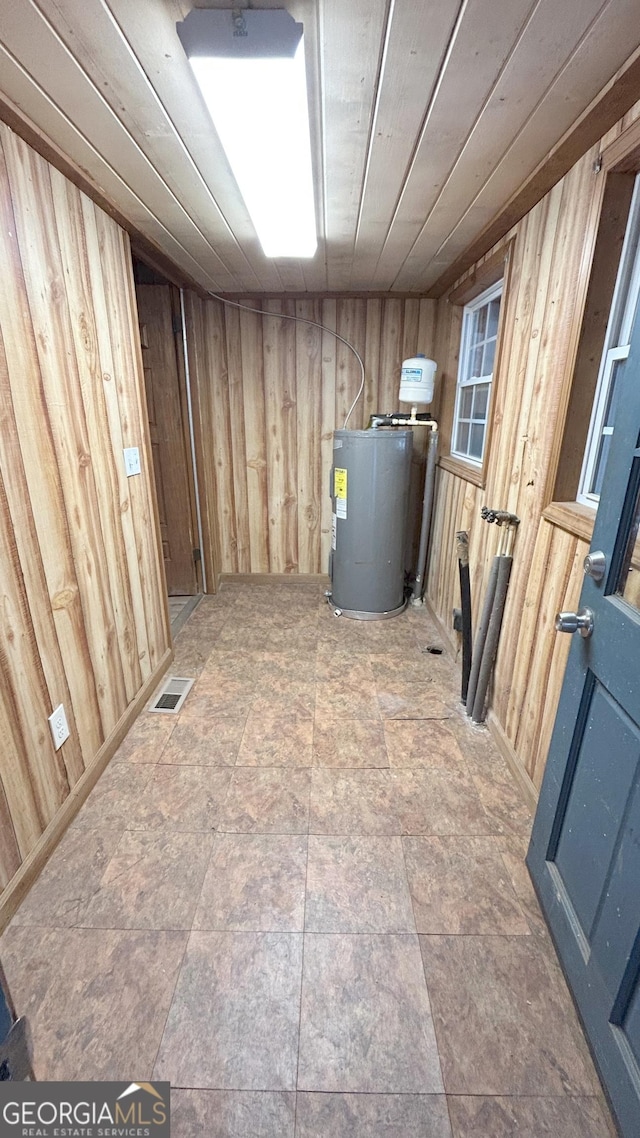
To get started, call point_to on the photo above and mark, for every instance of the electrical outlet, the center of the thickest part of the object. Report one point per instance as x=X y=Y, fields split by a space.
x=59 y=726
x=131 y=460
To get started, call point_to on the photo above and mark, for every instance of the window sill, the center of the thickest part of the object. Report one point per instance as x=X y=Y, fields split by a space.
x=469 y=473
x=572 y=517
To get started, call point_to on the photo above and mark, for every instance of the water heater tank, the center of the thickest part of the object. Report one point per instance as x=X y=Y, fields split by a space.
x=370 y=492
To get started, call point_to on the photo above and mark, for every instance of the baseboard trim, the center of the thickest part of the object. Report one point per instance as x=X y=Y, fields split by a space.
x=274 y=578
x=34 y=863
x=447 y=634
x=505 y=747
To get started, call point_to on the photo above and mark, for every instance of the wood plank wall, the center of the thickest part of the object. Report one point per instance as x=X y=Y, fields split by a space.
x=269 y=393
x=551 y=258
x=83 y=617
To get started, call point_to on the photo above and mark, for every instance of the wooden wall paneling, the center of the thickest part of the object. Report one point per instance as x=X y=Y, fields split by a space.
x=352 y=316
x=45 y=279
x=559 y=646
x=391 y=335
x=220 y=440
x=308 y=367
x=371 y=396
x=329 y=423
x=40 y=782
x=449 y=331
x=136 y=433
x=27 y=821
x=542 y=401
x=9 y=851
x=235 y=395
x=74 y=251
x=203 y=429
x=34 y=436
x=12 y=468
x=555 y=575
x=512 y=441
x=135 y=647
x=280 y=403
x=255 y=440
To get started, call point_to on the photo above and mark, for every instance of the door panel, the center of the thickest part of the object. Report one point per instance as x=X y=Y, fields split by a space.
x=584 y=855
x=168 y=437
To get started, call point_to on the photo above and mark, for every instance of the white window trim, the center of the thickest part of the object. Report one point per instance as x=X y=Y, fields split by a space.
x=616 y=343
x=489 y=294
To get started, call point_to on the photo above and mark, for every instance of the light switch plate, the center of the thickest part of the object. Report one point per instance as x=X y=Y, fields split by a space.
x=131 y=460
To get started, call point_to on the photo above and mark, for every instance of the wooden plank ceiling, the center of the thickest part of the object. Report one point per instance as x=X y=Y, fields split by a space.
x=428 y=115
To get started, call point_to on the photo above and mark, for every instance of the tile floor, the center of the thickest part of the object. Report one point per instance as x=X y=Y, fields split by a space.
x=303 y=900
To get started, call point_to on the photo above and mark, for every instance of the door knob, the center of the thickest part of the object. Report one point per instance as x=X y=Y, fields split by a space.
x=581 y=621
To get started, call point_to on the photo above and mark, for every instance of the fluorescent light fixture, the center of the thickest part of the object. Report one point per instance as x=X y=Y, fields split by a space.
x=249 y=64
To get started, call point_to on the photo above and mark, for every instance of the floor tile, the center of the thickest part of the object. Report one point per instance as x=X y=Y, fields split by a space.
x=255 y=882
x=352 y=802
x=338 y=700
x=503 y=802
x=513 y=852
x=412 y=666
x=357 y=885
x=504 y=1019
x=285 y=696
x=207 y=742
x=267 y=801
x=276 y=740
x=182 y=798
x=241 y=993
x=366 y=1024
x=372 y=1116
x=421 y=743
x=153 y=881
x=434 y=801
x=146 y=739
x=399 y=700
x=100 y=1012
x=460 y=885
x=284 y=665
x=69 y=879
x=479 y=1117
x=343 y=668
x=349 y=743
x=212 y=700
x=232 y=1114
x=115 y=797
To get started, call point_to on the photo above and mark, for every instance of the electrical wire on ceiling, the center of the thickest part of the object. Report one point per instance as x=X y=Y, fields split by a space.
x=314 y=324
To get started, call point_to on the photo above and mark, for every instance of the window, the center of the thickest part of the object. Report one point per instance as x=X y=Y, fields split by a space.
x=473 y=393
x=615 y=352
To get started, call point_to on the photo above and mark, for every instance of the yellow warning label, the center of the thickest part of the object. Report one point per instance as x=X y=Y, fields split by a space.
x=340 y=483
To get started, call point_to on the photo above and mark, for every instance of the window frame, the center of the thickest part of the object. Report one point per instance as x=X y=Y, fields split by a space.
x=464 y=381
x=615 y=348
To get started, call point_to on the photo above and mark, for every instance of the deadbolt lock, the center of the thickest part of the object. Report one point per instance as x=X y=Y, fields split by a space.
x=581 y=621
x=595 y=565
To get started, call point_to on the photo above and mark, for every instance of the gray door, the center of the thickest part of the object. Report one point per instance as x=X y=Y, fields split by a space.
x=584 y=855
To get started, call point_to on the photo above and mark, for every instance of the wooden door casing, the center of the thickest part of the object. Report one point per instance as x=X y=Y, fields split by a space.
x=169 y=448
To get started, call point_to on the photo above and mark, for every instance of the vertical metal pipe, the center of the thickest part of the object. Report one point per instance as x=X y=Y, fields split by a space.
x=481 y=637
x=493 y=636
x=427 y=504
x=462 y=548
